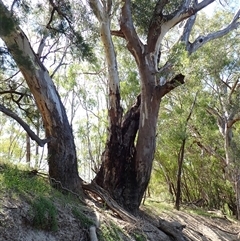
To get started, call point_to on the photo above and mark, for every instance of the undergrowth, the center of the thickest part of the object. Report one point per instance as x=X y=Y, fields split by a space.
x=85 y=221
x=44 y=214
x=21 y=183
x=111 y=232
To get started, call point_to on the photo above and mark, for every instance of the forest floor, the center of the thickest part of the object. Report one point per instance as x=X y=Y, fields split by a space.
x=39 y=213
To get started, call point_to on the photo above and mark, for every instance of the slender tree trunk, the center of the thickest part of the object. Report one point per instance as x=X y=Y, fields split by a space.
x=62 y=158
x=179 y=174
x=181 y=158
x=232 y=168
x=28 y=150
x=237 y=190
x=36 y=164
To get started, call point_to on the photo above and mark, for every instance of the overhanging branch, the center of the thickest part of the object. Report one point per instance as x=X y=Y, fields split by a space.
x=25 y=126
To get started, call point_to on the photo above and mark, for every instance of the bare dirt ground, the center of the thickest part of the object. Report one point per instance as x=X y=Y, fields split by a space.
x=15 y=224
x=205 y=228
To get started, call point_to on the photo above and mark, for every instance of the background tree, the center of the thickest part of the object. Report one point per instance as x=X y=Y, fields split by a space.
x=222 y=78
x=205 y=153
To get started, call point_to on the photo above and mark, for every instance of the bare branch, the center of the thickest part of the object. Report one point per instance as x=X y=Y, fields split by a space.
x=220 y=120
x=12 y=77
x=202 y=5
x=159 y=7
x=191 y=110
x=186 y=11
x=168 y=86
x=187 y=30
x=57 y=8
x=233 y=89
x=161 y=24
x=60 y=62
x=236 y=118
x=25 y=126
x=135 y=46
x=13 y=92
x=117 y=33
x=201 y=40
x=51 y=17
x=41 y=46
x=109 y=6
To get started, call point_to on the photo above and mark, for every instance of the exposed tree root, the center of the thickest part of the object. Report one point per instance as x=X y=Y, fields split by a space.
x=93 y=187
x=172 y=229
x=92 y=233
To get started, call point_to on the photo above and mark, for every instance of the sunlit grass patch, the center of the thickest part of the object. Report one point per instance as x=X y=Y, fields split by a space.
x=22 y=181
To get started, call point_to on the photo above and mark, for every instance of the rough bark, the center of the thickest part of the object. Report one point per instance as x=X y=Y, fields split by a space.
x=117 y=172
x=61 y=149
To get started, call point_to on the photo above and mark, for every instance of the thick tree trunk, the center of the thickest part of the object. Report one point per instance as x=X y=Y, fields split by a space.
x=146 y=142
x=62 y=159
x=117 y=173
x=126 y=168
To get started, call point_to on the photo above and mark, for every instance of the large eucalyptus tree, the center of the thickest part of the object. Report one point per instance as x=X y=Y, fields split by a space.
x=127 y=159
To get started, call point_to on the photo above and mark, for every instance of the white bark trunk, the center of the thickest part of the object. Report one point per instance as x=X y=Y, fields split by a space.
x=102 y=12
x=32 y=69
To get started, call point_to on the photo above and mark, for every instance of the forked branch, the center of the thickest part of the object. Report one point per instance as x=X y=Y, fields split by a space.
x=201 y=40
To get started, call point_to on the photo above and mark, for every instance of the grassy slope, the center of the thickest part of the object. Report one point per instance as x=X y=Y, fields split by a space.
x=31 y=210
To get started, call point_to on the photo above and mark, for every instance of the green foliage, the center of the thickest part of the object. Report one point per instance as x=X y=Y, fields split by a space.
x=142 y=12
x=200 y=176
x=139 y=236
x=85 y=221
x=110 y=232
x=6 y=23
x=44 y=214
x=179 y=58
x=130 y=79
